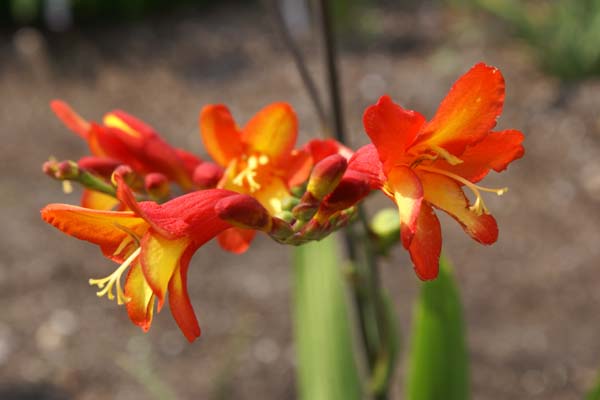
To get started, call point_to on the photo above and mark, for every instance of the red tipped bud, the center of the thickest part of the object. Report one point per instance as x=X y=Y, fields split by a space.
x=326 y=175
x=353 y=187
x=157 y=186
x=307 y=207
x=281 y=229
x=244 y=211
x=128 y=176
x=207 y=175
x=61 y=170
x=98 y=165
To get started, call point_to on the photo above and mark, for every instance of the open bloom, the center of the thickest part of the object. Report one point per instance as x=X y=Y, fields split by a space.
x=123 y=139
x=421 y=165
x=154 y=243
x=259 y=160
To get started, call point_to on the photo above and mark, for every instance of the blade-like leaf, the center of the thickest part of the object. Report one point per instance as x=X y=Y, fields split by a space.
x=326 y=368
x=438 y=365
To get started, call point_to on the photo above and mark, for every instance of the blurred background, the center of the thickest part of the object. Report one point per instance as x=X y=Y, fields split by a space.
x=531 y=301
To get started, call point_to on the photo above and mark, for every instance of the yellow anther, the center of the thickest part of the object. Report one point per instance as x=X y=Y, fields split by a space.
x=67 y=187
x=106 y=284
x=478 y=207
x=249 y=173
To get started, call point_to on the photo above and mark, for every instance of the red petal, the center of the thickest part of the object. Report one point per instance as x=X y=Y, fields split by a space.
x=236 y=240
x=297 y=167
x=426 y=245
x=468 y=112
x=220 y=134
x=70 y=118
x=179 y=300
x=495 y=151
x=366 y=161
x=446 y=194
x=391 y=129
x=405 y=189
x=321 y=148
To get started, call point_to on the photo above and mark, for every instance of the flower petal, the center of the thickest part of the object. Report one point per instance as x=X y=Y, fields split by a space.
x=98 y=200
x=447 y=195
x=108 y=229
x=179 y=300
x=366 y=161
x=220 y=134
x=297 y=167
x=426 y=245
x=272 y=131
x=391 y=129
x=406 y=190
x=140 y=306
x=159 y=258
x=321 y=148
x=70 y=118
x=468 y=112
x=495 y=151
x=236 y=240
x=271 y=195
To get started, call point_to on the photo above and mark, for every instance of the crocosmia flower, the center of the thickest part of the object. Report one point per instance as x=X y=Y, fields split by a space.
x=423 y=165
x=259 y=159
x=153 y=243
x=124 y=139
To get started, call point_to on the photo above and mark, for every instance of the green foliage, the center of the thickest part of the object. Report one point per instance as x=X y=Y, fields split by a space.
x=594 y=394
x=326 y=367
x=438 y=364
x=565 y=34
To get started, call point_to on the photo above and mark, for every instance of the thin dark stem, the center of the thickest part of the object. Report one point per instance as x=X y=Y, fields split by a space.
x=333 y=81
x=367 y=292
x=299 y=61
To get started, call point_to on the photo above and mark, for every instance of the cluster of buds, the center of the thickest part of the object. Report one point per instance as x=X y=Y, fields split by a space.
x=150 y=206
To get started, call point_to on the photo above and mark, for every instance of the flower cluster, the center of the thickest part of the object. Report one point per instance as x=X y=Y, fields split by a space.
x=150 y=206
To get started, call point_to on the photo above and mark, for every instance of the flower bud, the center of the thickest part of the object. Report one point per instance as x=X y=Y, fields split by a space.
x=207 y=175
x=326 y=175
x=98 y=165
x=244 y=211
x=353 y=187
x=307 y=207
x=129 y=177
x=157 y=186
x=66 y=170
x=280 y=229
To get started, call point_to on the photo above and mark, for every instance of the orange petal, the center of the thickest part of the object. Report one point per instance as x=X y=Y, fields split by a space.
x=391 y=129
x=406 y=190
x=140 y=306
x=107 y=229
x=446 y=194
x=179 y=300
x=98 y=200
x=297 y=167
x=159 y=258
x=220 y=134
x=426 y=245
x=273 y=131
x=70 y=118
x=468 y=112
x=236 y=240
x=495 y=151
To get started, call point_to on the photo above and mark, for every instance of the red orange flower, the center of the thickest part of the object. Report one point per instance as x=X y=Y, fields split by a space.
x=421 y=165
x=259 y=160
x=155 y=244
x=124 y=139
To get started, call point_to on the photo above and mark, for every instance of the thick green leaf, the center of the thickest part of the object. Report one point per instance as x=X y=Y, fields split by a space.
x=438 y=366
x=326 y=368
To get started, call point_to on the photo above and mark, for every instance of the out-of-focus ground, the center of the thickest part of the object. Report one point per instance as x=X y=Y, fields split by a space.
x=532 y=300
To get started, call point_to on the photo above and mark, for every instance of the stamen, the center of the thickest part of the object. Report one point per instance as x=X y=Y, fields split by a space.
x=446 y=155
x=249 y=173
x=106 y=284
x=478 y=207
x=67 y=187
